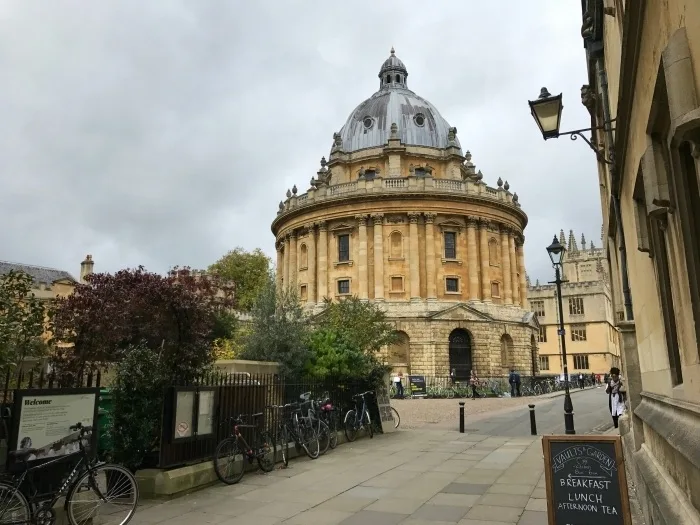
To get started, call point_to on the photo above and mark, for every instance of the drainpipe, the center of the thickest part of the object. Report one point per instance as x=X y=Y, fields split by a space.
x=626 y=292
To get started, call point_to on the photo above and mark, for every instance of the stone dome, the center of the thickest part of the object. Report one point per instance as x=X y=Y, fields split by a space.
x=419 y=122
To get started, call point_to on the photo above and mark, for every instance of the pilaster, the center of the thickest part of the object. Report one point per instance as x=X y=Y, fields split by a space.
x=285 y=276
x=311 y=270
x=293 y=262
x=413 y=255
x=505 y=266
x=362 y=262
x=378 y=219
x=484 y=254
x=520 y=252
x=514 y=283
x=430 y=273
x=472 y=259
x=279 y=270
x=322 y=287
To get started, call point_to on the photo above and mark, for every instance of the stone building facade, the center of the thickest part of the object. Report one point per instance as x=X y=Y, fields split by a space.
x=592 y=340
x=643 y=61
x=398 y=215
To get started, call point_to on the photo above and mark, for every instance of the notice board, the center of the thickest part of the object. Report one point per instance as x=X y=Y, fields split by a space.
x=586 y=480
x=416 y=385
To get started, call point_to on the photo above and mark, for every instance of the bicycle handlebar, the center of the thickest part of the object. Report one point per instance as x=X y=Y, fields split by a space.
x=83 y=429
x=363 y=394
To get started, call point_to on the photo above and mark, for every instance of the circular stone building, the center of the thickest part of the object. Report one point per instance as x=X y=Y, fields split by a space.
x=399 y=216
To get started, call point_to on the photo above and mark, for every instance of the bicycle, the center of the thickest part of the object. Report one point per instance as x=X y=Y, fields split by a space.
x=327 y=415
x=229 y=449
x=38 y=509
x=313 y=413
x=355 y=422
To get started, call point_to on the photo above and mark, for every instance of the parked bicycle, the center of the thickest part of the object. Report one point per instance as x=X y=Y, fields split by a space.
x=356 y=421
x=233 y=452
x=101 y=494
x=328 y=414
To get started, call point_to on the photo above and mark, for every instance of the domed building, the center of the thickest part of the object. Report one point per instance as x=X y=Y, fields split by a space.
x=399 y=216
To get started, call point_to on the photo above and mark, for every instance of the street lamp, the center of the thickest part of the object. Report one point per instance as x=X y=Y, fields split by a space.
x=546 y=111
x=556 y=252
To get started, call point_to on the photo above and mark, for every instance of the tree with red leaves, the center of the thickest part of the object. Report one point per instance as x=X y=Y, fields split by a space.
x=175 y=315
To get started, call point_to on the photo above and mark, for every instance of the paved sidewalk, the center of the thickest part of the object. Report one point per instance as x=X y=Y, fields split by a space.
x=414 y=477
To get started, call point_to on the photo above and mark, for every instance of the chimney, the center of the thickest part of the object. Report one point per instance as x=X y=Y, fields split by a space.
x=86 y=268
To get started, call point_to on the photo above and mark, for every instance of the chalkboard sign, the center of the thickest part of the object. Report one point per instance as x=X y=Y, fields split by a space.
x=417 y=386
x=586 y=481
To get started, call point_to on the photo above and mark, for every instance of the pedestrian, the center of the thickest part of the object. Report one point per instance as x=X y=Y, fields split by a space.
x=580 y=380
x=616 y=395
x=453 y=375
x=514 y=380
x=592 y=379
x=474 y=382
x=517 y=383
x=399 y=385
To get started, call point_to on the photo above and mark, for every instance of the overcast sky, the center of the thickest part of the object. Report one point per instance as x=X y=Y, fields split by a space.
x=166 y=132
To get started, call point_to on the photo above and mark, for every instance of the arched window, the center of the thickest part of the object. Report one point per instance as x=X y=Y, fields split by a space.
x=399 y=350
x=493 y=252
x=388 y=79
x=303 y=257
x=398 y=79
x=460 y=344
x=396 y=245
x=506 y=353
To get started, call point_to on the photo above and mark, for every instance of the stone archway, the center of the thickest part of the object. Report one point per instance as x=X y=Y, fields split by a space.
x=399 y=353
x=533 y=356
x=507 y=357
x=460 y=353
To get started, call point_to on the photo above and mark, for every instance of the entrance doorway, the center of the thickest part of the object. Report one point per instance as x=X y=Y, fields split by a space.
x=461 y=353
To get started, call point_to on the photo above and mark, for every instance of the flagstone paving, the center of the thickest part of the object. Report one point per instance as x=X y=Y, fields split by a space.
x=411 y=477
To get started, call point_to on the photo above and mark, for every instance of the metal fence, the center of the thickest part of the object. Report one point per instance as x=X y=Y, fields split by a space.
x=446 y=387
x=197 y=416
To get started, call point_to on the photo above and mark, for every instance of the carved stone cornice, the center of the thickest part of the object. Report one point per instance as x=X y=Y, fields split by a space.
x=378 y=218
x=506 y=229
x=429 y=217
x=322 y=226
x=493 y=227
x=361 y=220
x=279 y=245
x=292 y=235
x=413 y=217
x=472 y=221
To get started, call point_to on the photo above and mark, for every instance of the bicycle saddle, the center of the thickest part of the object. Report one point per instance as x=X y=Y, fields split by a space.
x=22 y=453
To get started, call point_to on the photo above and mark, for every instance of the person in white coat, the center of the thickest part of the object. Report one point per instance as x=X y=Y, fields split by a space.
x=616 y=395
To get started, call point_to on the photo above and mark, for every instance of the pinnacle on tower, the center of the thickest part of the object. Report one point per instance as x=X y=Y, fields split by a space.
x=562 y=238
x=583 y=242
x=573 y=248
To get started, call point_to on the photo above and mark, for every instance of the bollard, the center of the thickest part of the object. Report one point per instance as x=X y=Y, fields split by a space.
x=461 y=417
x=533 y=423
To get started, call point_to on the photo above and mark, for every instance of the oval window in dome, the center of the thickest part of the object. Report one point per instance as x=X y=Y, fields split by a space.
x=368 y=122
x=419 y=119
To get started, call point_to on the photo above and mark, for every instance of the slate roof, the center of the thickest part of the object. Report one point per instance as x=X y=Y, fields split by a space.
x=40 y=274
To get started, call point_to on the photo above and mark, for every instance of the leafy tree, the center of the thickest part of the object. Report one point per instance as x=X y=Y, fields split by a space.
x=175 y=315
x=279 y=330
x=333 y=356
x=248 y=271
x=233 y=346
x=137 y=394
x=22 y=318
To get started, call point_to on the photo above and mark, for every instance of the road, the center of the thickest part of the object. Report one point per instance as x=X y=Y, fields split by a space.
x=590 y=415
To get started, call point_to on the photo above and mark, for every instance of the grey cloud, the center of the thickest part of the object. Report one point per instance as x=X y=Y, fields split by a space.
x=163 y=133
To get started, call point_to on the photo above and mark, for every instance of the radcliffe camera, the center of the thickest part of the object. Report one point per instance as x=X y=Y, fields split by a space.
x=405 y=263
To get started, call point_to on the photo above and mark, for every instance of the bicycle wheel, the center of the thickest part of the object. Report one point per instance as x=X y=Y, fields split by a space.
x=229 y=461
x=311 y=444
x=283 y=438
x=538 y=390
x=106 y=494
x=396 y=416
x=324 y=437
x=368 y=425
x=266 y=452
x=333 y=431
x=350 y=427
x=14 y=506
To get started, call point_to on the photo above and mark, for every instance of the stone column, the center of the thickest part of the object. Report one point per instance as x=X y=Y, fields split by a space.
x=311 y=263
x=430 y=273
x=472 y=259
x=505 y=266
x=520 y=252
x=322 y=288
x=362 y=263
x=279 y=271
x=285 y=274
x=514 y=282
x=484 y=254
x=378 y=256
x=413 y=255
x=293 y=262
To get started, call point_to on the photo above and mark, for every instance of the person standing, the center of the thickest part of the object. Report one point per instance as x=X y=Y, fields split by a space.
x=514 y=380
x=399 y=385
x=616 y=395
x=453 y=376
x=580 y=380
x=473 y=383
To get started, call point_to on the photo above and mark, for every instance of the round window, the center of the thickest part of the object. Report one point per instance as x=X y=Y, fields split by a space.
x=419 y=119
x=367 y=121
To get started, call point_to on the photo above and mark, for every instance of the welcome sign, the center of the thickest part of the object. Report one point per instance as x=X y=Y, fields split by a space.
x=586 y=481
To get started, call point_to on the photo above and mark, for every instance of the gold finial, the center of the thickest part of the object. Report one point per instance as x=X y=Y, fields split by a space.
x=392 y=50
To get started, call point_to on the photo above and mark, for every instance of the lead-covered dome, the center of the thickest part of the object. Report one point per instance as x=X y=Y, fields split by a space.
x=419 y=122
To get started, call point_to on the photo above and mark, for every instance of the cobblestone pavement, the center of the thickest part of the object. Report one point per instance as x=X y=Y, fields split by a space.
x=408 y=477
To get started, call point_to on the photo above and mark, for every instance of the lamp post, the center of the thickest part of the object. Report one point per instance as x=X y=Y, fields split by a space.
x=556 y=252
x=546 y=111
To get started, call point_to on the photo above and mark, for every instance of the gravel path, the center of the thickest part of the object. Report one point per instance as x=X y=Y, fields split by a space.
x=444 y=413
